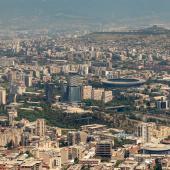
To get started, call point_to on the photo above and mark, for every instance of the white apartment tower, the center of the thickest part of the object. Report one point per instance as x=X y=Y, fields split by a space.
x=2 y=96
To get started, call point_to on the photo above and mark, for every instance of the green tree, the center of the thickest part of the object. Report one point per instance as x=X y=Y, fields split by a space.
x=118 y=162
x=76 y=160
x=10 y=145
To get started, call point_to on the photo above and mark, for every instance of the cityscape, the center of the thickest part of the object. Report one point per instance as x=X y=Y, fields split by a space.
x=78 y=93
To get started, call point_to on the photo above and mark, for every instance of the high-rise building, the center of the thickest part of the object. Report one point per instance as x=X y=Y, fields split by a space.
x=73 y=88
x=12 y=114
x=25 y=139
x=109 y=62
x=49 y=89
x=104 y=149
x=75 y=138
x=145 y=131
x=28 y=80
x=73 y=79
x=40 y=127
x=12 y=93
x=74 y=93
x=86 y=92
x=71 y=138
x=93 y=53
x=2 y=96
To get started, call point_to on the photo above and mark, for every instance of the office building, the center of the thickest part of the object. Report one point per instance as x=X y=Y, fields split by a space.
x=73 y=88
x=49 y=89
x=74 y=94
x=104 y=149
x=28 y=80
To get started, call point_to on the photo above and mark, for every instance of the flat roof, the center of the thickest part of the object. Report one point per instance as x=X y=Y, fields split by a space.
x=30 y=163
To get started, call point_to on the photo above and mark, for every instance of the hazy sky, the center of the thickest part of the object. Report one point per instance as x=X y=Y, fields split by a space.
x=99 y=10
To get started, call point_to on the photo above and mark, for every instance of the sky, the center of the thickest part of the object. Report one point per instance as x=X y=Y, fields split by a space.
x=100 y=11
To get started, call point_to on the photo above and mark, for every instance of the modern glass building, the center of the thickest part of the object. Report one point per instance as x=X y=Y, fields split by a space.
x=74 y=93
x=73 y=88
x=49 y=89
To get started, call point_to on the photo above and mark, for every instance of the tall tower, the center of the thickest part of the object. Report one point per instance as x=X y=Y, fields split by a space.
x=40 y=127
x=2 y=96
x=49 y=89
x=28 y=80
x=145 y=131
x=12 y=114
x=73 y=88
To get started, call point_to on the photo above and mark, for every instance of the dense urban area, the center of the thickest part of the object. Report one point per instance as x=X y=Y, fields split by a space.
x=100 y=101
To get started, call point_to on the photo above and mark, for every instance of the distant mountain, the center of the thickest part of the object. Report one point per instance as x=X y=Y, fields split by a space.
x=154 y=31
x=121 y=12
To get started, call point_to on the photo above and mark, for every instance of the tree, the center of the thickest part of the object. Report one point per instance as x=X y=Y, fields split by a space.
x=118 y=162
x=76 y=160
x=29 y=154
x=10 y=145
x=126 y=154
x=158 y=165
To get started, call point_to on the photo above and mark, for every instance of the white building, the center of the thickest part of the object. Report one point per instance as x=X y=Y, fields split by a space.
x=2 y=96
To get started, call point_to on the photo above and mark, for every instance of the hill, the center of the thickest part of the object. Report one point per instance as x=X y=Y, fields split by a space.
x=154 y=31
